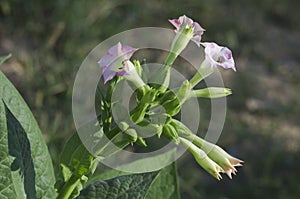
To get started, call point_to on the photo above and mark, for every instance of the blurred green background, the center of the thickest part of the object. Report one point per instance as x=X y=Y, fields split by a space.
x=50 y=39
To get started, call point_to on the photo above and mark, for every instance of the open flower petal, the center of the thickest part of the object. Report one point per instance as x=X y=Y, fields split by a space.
x=218 y=55
x=185 y=22
x=112 y=62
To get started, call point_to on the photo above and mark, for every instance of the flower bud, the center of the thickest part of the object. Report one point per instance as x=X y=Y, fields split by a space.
x=140 y=141
x=123 y=126
x=131 y=134
x=170 y=133
x=170 y=102
x=138 y=114
x=202 y=159
x=184 y=91
x=172 y=107
x=211 y=92
x=138 y=67
x=217 y=154
x=214 y=152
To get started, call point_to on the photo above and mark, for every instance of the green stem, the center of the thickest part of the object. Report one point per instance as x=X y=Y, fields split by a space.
x=163 y=77
x=68 y=188
x=196 y=79
x=204 y=70
x=170 y=59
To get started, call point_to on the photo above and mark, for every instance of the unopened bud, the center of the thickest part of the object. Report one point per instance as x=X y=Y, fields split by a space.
x=140 y=141
x=170 y=133
x=123 y=126
x=172 y=107
x=203 y=160
x=131 y=134
x=211 y=92
x=138 y=67
x=184 y=91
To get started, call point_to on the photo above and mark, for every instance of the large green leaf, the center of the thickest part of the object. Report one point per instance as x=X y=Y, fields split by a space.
x=148 y=164
x=25 y=164
x=165 y=185
x=127 y=187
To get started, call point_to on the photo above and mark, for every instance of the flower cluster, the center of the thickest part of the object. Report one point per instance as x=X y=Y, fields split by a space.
x=116 y=64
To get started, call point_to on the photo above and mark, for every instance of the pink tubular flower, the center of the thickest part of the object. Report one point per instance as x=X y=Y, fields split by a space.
x=218 y=55
x=185 y=23
x=112 y=63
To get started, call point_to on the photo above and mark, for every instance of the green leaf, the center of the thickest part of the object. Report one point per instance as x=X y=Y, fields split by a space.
x=25 y=164
x=130 y=186
x=76 y=164
x=76 y=156
x=148 y=164
x=165 y=185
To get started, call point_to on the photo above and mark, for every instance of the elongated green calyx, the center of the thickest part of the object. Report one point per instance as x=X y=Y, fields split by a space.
x=211 y=92
x=202 y=159
x=184 y=91
x=214 y=152
x=221 y=157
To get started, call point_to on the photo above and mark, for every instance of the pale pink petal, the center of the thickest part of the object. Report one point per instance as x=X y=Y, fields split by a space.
x=185 y=22
x=112 y=62
x=108 y=74
x=218 y=55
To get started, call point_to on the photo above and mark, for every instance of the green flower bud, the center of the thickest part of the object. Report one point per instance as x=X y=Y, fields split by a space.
x=203 y=160
x=170 y=133
x=172 y=107
x=211 y=92
x=138 y=67
x=159 y=130
x=123 y=126
x=167 y=96
x=184 y=91
x=131 y=134
x=139 y=113
x=140 y=141
x=216 y=153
